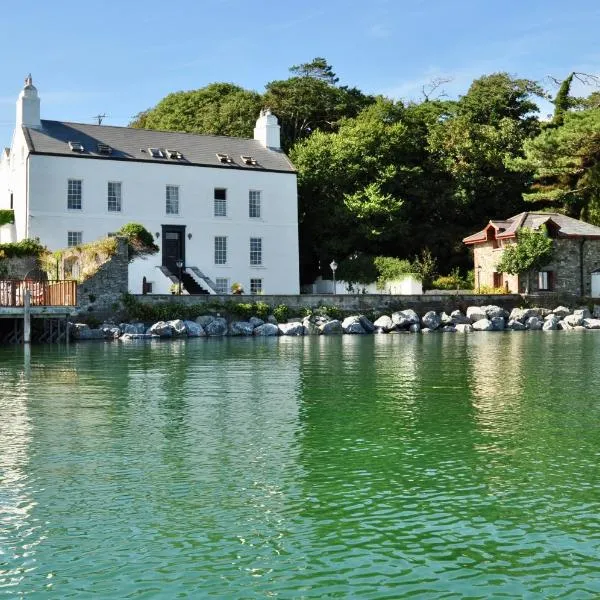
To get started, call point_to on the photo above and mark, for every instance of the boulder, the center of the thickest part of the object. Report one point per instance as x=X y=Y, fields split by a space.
x=110 y=333
x=534 y=323
x=194 y=329
x=483 y=325
x=475 y=313
x=352 y=325
x=405 y=318
x=426 y=330
x=255 y=321
x=431 y=320
x=366 y=324
x=81 y=331
x=271 y=319
x=241 y=328
x=498 y=323
x=596 y=312
x=591 y=323
x=515 y=325
x=464 y=328
x=216 y=327
x=161 y=329
x=573 y=320
x=492 y=311
x=204 y=320
x=133 y=328
x=333 y=327
x=414 y=328
x=551 y=323
x=457 y=318
x=448 y=329
x=522 y=314
x=564 y=325
x=137 y=336
x=296 y=329
x=266 y=329
x=384 y=324
x=178 y=327
x=561 y=312
x=310 y=328
x=584 y=313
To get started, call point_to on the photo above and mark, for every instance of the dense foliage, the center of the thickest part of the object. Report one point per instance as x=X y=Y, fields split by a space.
x=26 y=247
x=139 y=240
x=378 y=177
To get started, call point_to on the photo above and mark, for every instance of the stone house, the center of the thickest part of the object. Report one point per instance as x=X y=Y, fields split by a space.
x=223 y=210
x=575 y=267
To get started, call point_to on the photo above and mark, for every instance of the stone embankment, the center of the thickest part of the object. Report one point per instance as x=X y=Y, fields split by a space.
x=476 y=318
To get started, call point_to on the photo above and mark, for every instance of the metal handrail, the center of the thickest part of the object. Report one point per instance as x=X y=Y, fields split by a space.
x=43 y=293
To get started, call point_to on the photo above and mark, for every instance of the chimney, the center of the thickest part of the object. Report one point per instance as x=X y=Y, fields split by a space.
x=267 y=130
x=28 y=106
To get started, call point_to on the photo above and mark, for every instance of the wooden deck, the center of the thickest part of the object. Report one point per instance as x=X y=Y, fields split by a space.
x=36 y=310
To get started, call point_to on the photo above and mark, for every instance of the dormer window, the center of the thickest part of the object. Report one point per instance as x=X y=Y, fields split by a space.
x=249 y=160
x=224 y=158
x=104 y=149
x=174 y=154
x=76 y=146
x=156 y=153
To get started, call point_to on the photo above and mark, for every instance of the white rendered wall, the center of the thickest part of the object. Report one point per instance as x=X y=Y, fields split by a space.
x=13 y=179
x=143 y=201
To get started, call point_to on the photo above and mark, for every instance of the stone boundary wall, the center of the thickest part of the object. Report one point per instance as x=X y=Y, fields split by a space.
x=100 y=295
x=357 y=302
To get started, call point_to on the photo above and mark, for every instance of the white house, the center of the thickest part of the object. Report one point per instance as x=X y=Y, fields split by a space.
x=224 y=207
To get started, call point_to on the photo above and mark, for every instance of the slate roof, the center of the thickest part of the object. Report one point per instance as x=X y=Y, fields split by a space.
x=566 y=226
x=132 y=144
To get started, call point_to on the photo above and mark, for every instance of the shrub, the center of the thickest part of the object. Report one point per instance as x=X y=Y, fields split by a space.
x=488 y=289
x=262 y=310
x=281 y=313
x=454 y=281
x=140 y=242
x=25 y=247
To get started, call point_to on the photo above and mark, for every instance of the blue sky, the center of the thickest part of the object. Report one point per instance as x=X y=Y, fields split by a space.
x=121 y=56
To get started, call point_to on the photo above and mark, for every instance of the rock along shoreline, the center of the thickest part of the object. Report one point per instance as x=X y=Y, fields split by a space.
x=476 y=318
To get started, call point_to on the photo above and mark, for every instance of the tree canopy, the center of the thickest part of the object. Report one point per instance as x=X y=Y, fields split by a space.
x=382 y=177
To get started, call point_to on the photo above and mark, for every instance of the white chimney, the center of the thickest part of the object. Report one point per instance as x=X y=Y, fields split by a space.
x=28 y=106
x=267 y=130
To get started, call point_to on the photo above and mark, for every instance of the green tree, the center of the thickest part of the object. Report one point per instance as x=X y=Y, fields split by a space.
x=563 y=101
x=218 y=109
x=311 y=100
x=532 y=250
x=565 y=162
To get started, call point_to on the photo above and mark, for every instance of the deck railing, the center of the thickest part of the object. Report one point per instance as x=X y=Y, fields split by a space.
x=43 y=293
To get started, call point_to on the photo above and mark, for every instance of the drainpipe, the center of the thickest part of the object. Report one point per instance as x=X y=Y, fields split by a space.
x=581 y=271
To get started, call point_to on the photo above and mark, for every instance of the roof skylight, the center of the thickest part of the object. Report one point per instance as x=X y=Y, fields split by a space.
x=104 y=149
x=224 y=158
x=249 y=160
x=76 y=146
x=174 y=154
x=156 y=152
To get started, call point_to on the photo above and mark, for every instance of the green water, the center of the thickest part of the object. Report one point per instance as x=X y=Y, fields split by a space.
x=440 y=466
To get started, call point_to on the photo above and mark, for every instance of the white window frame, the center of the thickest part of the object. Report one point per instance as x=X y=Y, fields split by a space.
x=72 y=197
x=172 y=200
x=219 y=204
x=222 y=285
x=114 y=197
x=256 y=252
x=256 y=285
x=220 y=249
x=255 y=204
x=74 y=238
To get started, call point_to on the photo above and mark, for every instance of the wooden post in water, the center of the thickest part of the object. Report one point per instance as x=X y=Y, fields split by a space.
x=27 y=317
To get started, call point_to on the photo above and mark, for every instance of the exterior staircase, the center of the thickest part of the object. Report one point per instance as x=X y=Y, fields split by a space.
x=202 y=280
x=193 y=281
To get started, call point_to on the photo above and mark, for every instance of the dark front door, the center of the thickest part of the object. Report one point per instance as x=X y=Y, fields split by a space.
x=173 y=246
